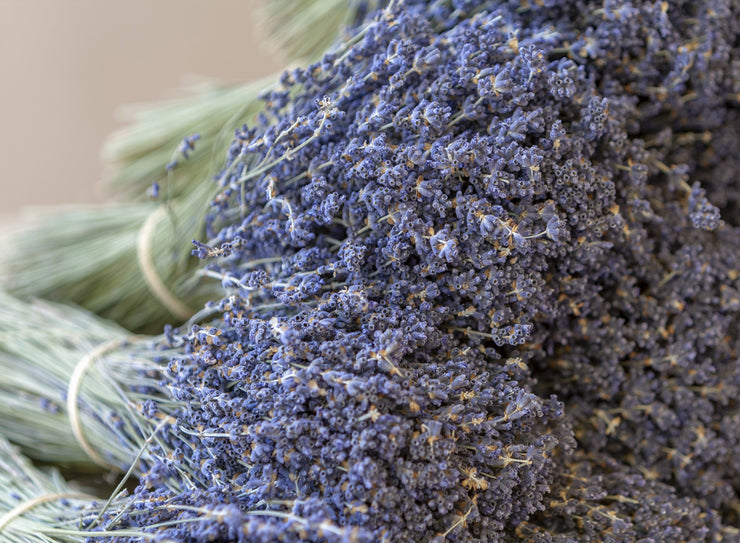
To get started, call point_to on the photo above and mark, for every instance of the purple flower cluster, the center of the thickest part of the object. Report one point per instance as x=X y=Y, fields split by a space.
x=186 y=147
x=395 y=426
x=467 y=214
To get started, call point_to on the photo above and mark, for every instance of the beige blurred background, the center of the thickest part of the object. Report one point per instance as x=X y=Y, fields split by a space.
x=66 y=67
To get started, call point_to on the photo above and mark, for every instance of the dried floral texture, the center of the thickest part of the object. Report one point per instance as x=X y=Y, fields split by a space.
x=597 y=499
x=682 y=61
x=713 y=160
x=647 y=357
x=218 y=515
x=364 y=418
x=420 y=196
x=470 y=161
x=39 y=506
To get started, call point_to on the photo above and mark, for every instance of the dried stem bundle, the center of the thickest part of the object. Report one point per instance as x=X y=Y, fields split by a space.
x=74 y=387
x=40 y=506
x=294 y=23
x=126 y=262
x=138 y=154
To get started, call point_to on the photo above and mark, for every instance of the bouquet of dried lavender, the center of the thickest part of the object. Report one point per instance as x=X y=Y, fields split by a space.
x=75 y=389
x=126 y=262
x=107 y=388
x=41 y=507
x=465 y=232
x=499 y=190
x=38 y=506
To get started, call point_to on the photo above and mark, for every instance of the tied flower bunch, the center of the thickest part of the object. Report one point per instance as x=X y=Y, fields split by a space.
x=479 y=275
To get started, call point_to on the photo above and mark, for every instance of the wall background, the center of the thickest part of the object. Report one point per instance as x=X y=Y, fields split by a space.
x=66 y=66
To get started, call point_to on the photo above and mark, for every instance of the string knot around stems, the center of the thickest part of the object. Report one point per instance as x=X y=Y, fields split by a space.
x=149 y=271
x=73 y=391
x=26 y=506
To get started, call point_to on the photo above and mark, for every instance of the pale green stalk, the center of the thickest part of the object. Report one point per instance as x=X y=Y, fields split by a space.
x=307 y=28
x=139 y=153
x=39 y=506
x=106 y=258
x=43 y=346
x=33 y=503
x=131 y=263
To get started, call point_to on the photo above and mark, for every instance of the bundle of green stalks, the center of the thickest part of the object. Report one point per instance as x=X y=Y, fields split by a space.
x=138 y=154
x=39 y=506
x=127 y=262
x=74 y=387
x=294 y=23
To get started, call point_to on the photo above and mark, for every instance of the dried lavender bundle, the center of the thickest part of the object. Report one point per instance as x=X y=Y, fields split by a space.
x=118 y=404
x=471 y=215
x=75 y=389
x=127 y=262
x=471 y=170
